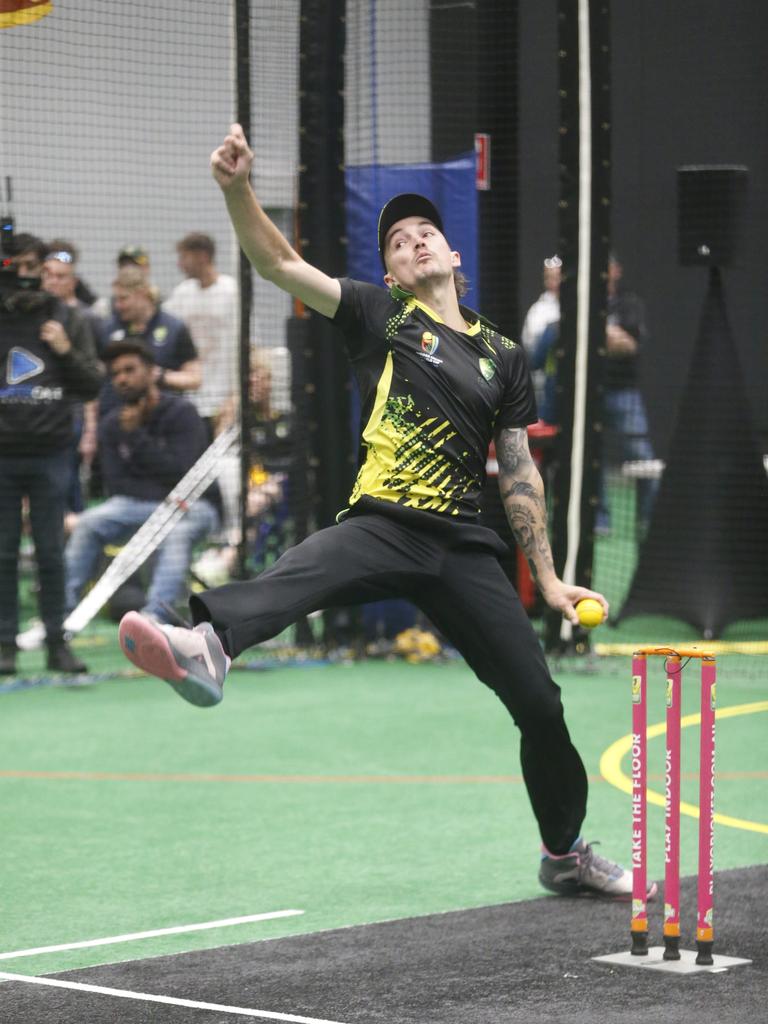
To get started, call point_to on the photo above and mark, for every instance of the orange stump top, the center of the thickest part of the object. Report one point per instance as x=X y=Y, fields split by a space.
x=686 y=651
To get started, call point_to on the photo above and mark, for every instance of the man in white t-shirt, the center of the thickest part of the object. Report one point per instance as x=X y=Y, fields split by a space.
x=544 y=311
x=208 y=304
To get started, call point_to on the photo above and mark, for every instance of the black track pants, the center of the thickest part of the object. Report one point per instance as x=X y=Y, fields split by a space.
x=456 y=579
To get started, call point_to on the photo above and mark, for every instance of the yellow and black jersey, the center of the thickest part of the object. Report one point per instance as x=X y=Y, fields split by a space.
x=431 y=399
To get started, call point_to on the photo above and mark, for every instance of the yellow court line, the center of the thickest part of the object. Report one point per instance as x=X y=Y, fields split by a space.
x=610 y=765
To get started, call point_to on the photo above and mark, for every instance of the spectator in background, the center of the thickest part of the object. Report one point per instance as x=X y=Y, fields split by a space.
x=27 y=264
x=137 y=317
x=59 y=278
x=60 y=275
x=83 y=293
x=147 y=442
x=542 y=359
x=544 y=311
x=624 y=416
x=207 y=302
x=128 y=256
x=47 y=354
x=271 y=429
x=272 y=453
x=134 y=256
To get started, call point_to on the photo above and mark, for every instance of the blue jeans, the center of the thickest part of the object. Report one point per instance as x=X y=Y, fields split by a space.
x=115 y=521
x=624 y=419
x=43 y=479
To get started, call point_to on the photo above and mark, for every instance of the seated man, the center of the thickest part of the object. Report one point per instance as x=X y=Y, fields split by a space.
x=146 y=444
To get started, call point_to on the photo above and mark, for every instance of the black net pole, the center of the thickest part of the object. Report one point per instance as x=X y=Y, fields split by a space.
x=243 y=99
x=497 y=121
x=322 y=240
x=473 y=61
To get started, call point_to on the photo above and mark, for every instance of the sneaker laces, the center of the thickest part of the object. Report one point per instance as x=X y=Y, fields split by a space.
x=592 y=861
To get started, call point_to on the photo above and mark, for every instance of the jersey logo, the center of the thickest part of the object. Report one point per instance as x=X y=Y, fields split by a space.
x=487 y=368
x=429 y=343
x=22 y=365
x=160 y=334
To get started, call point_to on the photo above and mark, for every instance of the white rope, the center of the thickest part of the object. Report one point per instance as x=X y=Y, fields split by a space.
x=582 y=304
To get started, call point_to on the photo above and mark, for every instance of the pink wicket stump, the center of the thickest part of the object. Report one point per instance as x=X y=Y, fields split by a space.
x=639 y=924
x=672 y=812
x=705 y=881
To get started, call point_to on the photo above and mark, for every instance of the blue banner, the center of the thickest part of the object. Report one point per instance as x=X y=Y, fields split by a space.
x=450 y=186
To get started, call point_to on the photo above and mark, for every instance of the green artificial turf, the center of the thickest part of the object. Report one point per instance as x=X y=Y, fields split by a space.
x=355 y=792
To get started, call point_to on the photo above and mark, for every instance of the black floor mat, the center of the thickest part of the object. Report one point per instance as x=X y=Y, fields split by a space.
x=515 y=962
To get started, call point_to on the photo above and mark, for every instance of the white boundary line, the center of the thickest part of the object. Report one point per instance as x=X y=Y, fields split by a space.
x=168 y=1000
x=227 y=922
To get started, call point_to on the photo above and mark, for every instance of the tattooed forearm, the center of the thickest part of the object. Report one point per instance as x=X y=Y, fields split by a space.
x=523 y=526
x=522 y=493
x=530 y=532
x=512 y=451
x=522 y=489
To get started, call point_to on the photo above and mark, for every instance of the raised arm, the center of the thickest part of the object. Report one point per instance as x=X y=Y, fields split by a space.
x=267 y=249
x=188 y=377
x=522 y=494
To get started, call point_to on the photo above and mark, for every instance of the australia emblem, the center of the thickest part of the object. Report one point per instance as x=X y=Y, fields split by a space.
x=429 y=343
x=487 y=368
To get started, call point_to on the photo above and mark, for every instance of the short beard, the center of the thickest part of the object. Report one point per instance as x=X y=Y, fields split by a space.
x=132 y=396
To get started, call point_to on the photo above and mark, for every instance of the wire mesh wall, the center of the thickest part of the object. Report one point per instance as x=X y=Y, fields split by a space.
x=108 y=112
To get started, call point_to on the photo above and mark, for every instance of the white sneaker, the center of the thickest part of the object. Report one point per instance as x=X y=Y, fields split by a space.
x=192 y=661
x=33 y=638
x=582 y=872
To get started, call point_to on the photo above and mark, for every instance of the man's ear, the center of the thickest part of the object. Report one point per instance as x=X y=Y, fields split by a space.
x=455 y=259
x=389 y=280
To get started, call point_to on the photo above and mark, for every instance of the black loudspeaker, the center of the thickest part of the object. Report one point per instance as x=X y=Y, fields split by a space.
x=711 y=204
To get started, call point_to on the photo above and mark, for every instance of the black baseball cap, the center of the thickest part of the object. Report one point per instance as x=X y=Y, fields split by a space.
x=407 y=204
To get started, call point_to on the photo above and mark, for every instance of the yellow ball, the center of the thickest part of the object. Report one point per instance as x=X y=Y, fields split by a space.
x=590 y=612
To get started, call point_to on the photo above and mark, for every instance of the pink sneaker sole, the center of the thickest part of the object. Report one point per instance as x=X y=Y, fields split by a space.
x=144 y=644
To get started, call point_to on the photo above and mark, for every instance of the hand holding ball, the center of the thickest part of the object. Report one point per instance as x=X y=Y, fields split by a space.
x=590 y=612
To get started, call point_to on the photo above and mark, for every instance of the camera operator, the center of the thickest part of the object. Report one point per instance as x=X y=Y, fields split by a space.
x=48 y=362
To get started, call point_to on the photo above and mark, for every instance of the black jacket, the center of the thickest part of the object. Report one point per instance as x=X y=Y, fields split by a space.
x=148 y=462
x=37 y=386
